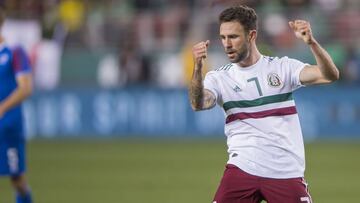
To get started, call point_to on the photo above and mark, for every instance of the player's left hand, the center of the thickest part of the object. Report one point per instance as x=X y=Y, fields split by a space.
x=302 y=30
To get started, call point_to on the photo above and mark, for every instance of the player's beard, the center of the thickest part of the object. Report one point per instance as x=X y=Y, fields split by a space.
x=241 y=54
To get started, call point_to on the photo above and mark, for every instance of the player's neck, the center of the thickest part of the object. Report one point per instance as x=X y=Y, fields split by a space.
x=2 y=40
x=254 y=56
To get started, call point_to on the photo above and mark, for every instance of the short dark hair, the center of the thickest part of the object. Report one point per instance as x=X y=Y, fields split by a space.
x=246 y=16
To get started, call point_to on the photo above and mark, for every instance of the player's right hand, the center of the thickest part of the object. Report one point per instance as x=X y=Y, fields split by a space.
x=200 y=53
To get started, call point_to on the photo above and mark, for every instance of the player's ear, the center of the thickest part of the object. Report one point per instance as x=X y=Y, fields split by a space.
x=252 y=35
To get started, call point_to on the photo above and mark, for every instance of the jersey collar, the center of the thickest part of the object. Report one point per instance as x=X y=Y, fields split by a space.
x=252 y=66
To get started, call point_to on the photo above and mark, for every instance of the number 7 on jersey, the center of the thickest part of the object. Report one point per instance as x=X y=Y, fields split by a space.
x=256 y=80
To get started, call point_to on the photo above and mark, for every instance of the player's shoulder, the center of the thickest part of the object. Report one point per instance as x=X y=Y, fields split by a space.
x=275 y=59
x=278 y=62
x=224 y=68
x=18 y=54
x=17 y=49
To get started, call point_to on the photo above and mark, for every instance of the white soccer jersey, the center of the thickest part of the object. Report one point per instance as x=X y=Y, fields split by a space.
x=263 y=131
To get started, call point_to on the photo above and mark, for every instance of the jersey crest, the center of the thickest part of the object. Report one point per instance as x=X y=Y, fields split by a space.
x=274 y=80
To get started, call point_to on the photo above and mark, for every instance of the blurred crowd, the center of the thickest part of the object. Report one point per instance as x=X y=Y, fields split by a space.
x=117 y=43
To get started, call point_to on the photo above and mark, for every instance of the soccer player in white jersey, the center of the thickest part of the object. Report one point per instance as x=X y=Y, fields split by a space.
x=265 y=143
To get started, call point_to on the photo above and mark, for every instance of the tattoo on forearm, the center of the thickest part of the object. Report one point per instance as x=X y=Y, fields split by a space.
x=196 y=90
x=200 y=99
x=209 y=100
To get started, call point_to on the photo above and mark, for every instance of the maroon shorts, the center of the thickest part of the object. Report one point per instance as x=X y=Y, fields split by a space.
x=238 y=186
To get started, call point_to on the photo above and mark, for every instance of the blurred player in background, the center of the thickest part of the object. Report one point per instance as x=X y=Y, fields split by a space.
x=15 y=87
x=265 y=143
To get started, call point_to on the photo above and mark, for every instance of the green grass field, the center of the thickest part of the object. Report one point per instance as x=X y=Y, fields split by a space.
x=178 y=171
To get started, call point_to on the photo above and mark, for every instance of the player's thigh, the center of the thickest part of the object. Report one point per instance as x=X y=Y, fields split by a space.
x=236 y=186
x=12 y=155
x=292 y=190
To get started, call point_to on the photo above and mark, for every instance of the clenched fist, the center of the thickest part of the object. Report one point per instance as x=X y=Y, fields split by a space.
x=200 y=53
x=302 y=30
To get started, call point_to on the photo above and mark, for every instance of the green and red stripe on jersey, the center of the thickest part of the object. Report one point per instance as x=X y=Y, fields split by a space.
x=279 y=98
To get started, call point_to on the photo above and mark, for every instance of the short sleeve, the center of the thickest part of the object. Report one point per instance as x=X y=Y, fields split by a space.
x=211 y=84
x=294 y=68
x=20 y=61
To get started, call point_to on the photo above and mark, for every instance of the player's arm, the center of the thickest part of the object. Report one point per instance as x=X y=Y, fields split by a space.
x=200 y=98
x=23 y=90
x=325 y=70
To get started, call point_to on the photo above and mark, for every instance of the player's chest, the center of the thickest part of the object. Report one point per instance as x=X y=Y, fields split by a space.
x=253 y=85
x=5 y=66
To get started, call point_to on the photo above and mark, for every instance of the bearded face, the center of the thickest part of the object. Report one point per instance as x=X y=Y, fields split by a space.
x=235 y=41
x=238 y=55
